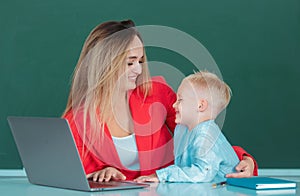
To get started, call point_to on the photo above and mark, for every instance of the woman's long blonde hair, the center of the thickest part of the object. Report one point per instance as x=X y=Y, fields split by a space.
x=102 y=60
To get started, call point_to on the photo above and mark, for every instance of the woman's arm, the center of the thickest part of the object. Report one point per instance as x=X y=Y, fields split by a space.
x=247 y=166
x=89 y=161
x=94 y=167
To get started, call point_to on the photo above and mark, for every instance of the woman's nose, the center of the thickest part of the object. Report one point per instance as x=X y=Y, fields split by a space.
x=137 y=69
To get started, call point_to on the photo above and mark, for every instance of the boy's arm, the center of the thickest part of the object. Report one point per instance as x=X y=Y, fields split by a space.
x=202 y=163
x=200 y=171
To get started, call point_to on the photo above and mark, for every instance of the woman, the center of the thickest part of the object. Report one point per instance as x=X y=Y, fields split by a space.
x=122 y=120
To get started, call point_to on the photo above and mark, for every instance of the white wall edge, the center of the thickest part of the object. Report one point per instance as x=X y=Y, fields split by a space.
x=279 y=172
x=12 y=172
x=261 y=172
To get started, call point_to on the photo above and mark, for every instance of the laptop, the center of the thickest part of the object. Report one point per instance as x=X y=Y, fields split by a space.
x=50 y=157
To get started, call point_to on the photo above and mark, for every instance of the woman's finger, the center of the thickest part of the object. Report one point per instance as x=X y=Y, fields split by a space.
x=95 y=176
x=101 y=175
x=119 y=176
x=108 y=175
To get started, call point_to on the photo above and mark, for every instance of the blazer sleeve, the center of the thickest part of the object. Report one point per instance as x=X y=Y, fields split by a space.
x=170 y=120
x=89 y=161
x=241 y=152
x=168 y=97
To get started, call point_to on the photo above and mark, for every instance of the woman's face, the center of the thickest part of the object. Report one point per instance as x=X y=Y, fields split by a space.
x=134 y=62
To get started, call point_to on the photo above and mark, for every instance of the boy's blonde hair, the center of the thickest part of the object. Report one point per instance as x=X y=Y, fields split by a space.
x=218 y=92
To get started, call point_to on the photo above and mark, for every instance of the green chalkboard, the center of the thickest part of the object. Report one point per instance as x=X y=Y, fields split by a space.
x=256 y=45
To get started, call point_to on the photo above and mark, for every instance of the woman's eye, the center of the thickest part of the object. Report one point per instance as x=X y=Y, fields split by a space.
x=131 y=63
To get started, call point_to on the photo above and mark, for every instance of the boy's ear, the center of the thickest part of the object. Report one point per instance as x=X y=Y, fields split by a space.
x=202 y=105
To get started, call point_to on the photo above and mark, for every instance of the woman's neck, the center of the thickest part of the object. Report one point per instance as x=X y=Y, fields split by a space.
x=121 y=124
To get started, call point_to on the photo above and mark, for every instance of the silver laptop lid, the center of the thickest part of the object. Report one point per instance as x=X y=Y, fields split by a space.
x=48 y=152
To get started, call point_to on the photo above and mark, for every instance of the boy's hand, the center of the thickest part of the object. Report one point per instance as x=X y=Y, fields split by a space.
x=150 y=178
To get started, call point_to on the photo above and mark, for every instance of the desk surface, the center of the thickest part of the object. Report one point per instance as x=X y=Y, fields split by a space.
x=21 y=186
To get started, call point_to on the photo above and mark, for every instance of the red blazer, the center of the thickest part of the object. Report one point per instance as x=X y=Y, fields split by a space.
x=154 y=124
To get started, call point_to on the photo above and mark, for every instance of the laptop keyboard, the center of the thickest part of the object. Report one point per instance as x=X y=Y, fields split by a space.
x=107 y=184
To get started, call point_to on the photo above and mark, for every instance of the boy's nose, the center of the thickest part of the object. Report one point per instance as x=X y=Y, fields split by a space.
x=174 y=105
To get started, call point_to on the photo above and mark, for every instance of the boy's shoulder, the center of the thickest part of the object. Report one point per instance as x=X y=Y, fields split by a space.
x=207 y=128
x=204 y=129
x=205 y=135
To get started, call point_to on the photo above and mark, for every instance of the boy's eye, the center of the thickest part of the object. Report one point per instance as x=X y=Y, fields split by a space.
x=129 y=64
x=141 y=62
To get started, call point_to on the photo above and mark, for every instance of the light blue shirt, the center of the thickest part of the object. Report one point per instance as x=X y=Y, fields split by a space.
x=127 y=151
x=201 y=155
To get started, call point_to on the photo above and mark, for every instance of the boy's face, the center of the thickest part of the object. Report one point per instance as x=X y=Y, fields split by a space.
x=186 y=105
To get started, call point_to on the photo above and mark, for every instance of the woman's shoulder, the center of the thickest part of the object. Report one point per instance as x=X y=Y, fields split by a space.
x=160 y=83
x=159 y=87
x=73 y=115
x=68 y=115
x=158 y=79
x=160 y=92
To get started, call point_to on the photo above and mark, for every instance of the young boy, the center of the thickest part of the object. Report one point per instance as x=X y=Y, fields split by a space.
x=202 y=153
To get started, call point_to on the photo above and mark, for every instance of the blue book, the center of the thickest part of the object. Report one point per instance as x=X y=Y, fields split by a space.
x=260 y=183
x=234 y=190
